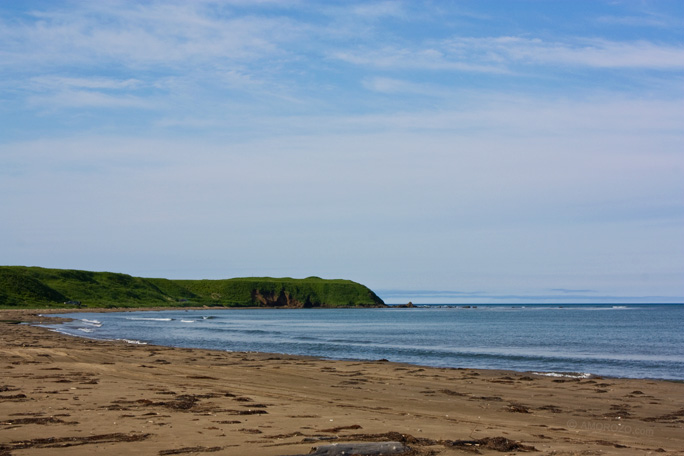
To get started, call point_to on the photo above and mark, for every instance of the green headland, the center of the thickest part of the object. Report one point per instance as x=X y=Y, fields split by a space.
x=35 y=287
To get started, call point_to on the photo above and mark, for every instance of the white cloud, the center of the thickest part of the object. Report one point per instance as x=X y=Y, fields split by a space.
x=143 y=35
x=496 y=114
x=590 y=53
x=423 y=59
x=85 y=98
x=398 y=86
x=504 y=54
x=379 y=9
x=60 y=82
x=646 y=20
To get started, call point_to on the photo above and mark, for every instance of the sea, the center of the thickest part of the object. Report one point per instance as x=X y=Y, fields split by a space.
x=634 y=341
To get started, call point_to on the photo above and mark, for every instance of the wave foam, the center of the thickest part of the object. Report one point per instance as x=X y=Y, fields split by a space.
x=92 y=322
x=135 y=342
x=565 y=374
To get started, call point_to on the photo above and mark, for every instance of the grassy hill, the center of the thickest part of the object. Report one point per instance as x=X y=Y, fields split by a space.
x=22 y=286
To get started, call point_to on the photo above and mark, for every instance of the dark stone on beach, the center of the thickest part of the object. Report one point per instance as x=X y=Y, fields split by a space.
x=361 y=449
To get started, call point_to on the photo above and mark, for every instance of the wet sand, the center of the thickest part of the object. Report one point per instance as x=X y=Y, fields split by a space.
x=62 y=395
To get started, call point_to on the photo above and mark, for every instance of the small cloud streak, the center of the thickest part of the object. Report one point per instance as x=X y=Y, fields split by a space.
x=424 y=59
x=67 y=99
x=379 y=9
x=640 y=21
x=505 y=54
x=61 y=83
x=398 y=86
x=565 y=297
x=566 y=290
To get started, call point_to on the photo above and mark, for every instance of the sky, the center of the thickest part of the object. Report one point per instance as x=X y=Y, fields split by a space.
x=490 y=151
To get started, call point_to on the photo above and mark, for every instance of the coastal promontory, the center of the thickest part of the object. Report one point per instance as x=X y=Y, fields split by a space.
x=22 y=286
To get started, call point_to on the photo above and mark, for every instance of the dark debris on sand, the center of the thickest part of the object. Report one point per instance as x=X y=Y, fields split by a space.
x=196 y=449
x=492 y=443
x=395 y=443
x=63 y=442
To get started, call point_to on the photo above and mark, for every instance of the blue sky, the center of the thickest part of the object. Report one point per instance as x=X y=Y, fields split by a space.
x=465 y=151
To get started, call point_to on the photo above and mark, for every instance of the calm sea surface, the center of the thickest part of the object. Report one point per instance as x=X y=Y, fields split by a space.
x=638 y=341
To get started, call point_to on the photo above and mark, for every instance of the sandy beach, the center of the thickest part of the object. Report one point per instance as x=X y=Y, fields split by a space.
x=61 y=395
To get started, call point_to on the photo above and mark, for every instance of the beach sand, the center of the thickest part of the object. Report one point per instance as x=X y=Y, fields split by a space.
x=61 y=395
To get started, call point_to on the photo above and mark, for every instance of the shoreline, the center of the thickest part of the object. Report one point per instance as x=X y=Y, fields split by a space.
x=553 y=374
x=70 y=395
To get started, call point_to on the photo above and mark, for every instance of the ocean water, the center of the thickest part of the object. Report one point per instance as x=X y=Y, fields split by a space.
x=637 y=341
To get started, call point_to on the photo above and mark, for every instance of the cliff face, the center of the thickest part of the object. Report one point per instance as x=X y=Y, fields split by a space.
x=282 y=299
x=22 y=286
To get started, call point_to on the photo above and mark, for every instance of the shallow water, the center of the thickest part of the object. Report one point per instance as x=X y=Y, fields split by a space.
x=637 y=341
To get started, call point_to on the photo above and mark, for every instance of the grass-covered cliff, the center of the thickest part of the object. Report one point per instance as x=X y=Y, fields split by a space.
x=22 y=286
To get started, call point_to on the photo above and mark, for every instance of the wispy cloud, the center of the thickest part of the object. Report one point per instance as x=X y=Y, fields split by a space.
x=496 y=113
x=561 y=296
x=380 y=9
x=589 y=53
x=144 y=35
x=398 y=293
x=566 y=290
x=429 y=58
x=505 y=54
x=84 y=98
x=61 y=83
x=644 y=20
x=399 y=86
